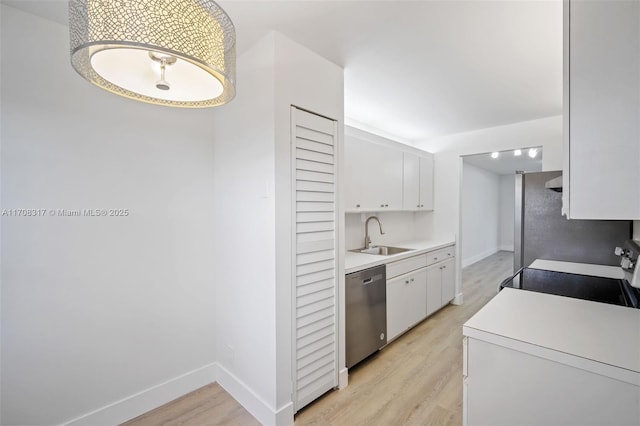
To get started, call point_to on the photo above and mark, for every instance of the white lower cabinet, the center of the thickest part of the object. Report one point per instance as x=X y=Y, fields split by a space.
x=503 y=387
x=406 y=302
x=441 y=284
x=417 y=287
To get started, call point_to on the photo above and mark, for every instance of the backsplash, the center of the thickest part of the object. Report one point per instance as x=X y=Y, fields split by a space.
x=398 y=227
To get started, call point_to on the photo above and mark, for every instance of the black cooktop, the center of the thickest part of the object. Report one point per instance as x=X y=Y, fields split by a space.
x=597 y=289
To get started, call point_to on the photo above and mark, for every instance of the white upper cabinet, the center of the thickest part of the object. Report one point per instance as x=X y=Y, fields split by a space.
x=373 y=176
x=378 y=177
x=418 y=182
x=602 y=109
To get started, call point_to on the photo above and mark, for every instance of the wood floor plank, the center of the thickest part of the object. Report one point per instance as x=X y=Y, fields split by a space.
x=415 y=380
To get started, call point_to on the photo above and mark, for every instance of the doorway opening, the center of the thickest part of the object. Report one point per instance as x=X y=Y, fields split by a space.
x=487 y=201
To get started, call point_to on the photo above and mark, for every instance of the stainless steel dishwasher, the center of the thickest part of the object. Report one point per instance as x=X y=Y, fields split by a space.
x=366 y=313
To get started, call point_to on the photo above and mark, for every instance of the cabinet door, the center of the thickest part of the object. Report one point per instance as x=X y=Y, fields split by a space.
x=411 y=181
x=448 y=281
x=426 y=183
x=373 y=176
x=602 y=85
x=434 y=288
x=397 y=316
x=417 y=297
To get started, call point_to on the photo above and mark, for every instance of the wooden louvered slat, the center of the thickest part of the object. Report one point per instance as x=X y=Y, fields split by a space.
x=304 y=185
x=314 y=123
x=316 y=316
x=310 y=246
x=314 y=146
x=310 y=298
x=317 y=157
x=315 y=375
x=310 y=268
x=324 y=197
x=314 y=166
x=315 y=277
x=314 y=176
x=313 y=217
x=318 y=256
x=313 y=155
x=314 y=327
x=313 y=287
x=314 y=227
x=315 y=306
x=310 y=237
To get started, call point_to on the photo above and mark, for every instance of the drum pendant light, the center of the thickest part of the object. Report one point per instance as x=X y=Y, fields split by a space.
x=178 y=53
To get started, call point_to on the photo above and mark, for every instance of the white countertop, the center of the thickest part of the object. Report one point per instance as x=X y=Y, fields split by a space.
x=354 y=262
x=599 y=332
x=605 y=271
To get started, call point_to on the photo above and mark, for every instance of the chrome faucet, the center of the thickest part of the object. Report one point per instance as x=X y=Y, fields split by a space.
x=367 y=240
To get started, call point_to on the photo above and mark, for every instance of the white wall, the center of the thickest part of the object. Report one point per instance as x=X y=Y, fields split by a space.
x=253 y=223
x=97 y=309
x=480 y=214
x=507 y=211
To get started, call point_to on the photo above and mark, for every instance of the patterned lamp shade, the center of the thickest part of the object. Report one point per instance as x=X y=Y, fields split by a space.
x=168 y=52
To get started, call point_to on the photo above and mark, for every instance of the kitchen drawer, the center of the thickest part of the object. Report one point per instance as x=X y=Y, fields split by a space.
x=440 y=255
x=407 y=265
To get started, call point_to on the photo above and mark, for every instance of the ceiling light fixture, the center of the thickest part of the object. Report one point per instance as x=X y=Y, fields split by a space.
x=495 y=154
x=517 y=152
x=178 y=53
x=533 y=152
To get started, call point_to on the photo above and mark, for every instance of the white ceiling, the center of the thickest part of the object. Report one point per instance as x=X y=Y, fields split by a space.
x=507 y=163
x=416 y=69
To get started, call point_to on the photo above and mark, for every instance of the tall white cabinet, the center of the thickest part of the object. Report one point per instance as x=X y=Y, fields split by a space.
x=602 y=109
x=314 y=152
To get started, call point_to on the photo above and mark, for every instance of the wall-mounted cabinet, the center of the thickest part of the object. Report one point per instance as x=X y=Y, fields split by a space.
x=372 y=176
x=379 y=177
x=602 y=109
x=417 y=182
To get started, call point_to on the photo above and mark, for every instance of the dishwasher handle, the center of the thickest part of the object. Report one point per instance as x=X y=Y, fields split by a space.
x=372 y=279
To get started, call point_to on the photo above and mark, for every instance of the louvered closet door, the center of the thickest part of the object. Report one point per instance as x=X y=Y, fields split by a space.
x=315 y=347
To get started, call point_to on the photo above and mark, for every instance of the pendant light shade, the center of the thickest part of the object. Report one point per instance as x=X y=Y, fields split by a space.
x=169 y=52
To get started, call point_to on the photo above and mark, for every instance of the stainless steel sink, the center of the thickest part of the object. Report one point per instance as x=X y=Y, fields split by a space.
x=381 y=250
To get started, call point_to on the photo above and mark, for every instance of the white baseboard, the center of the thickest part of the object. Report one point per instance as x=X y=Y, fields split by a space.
x=478 y=257
x=148 y=399
x=507 y=247
x=343 y=378
x=253 y=403
x=458 y=300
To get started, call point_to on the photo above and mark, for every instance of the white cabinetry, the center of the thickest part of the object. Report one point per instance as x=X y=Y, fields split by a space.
x=441 y=279
x=380 y=175
x=417 y=182
x=406 y=302
x=602 y=109
x=417 y=287
x=539 y=359
x=373 y=176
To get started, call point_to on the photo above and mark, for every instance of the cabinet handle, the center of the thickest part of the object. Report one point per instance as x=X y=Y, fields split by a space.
x=418 y=205
x=411 y=279
x=386 y=205
x=358 y=205
x=406 y=282
x=435 y=258
x=381 y=205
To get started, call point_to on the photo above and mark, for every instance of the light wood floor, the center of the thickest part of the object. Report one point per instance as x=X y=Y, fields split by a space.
x=416 y=380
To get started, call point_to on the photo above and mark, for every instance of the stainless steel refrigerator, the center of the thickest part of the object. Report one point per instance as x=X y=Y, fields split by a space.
x=541 y=232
